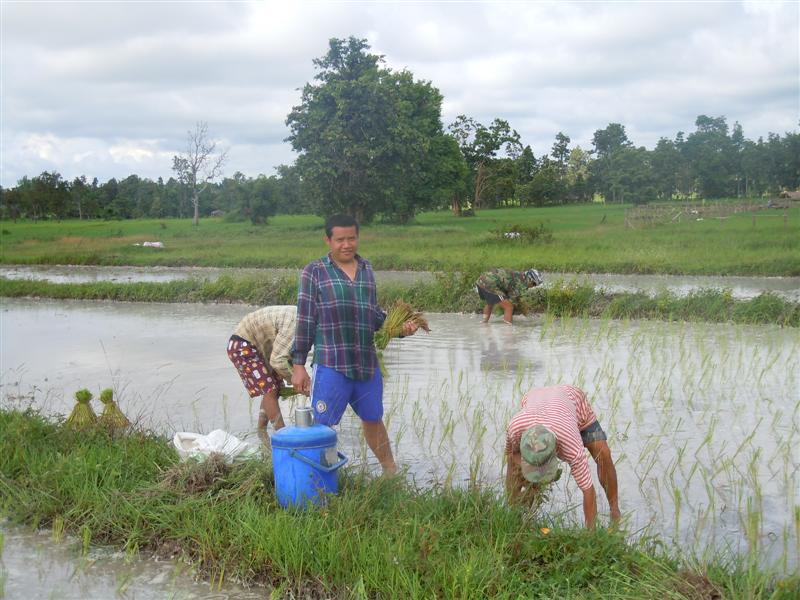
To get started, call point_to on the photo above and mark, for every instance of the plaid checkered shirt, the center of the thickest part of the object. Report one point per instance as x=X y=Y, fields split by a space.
x=271 y=330
x=339 y=316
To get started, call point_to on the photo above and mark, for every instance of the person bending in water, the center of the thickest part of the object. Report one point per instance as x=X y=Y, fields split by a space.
x=557 y=423
x=265 y=335
x=504 y=287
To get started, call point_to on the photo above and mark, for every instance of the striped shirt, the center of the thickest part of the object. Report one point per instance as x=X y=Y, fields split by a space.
x=271 y=330
x=339 y=316
x=565 y=411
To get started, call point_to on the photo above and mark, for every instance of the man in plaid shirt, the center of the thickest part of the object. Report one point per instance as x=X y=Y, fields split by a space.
x=338 y=313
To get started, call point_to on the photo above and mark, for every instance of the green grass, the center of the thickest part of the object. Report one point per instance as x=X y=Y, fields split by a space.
x=585 y=238
x=448 y=293
x=377 y=538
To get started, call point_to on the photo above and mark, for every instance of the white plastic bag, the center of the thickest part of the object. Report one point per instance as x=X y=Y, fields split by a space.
x=198 y=446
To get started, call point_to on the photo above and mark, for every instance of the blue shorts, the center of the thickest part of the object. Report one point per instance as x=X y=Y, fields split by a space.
x=331 y=392
x=593 y=433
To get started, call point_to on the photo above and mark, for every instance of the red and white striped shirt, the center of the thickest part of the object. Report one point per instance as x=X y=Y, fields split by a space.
x=564 y=410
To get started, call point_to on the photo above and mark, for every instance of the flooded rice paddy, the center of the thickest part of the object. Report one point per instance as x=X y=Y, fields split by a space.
x=703 y=419
x=681 y=285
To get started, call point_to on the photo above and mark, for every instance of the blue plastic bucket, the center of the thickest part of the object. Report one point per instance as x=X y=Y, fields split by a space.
x=305 y=462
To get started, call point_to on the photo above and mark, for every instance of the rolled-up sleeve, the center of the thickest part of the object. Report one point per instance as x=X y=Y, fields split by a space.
x=306 y=316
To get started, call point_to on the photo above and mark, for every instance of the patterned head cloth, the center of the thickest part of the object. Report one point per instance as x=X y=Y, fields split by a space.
x=533 y=277
x=538 y=449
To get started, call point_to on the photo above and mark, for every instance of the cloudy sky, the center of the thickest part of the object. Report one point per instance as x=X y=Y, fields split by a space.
x=108 y=89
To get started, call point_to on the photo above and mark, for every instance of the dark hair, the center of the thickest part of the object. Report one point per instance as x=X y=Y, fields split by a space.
x=339 y=221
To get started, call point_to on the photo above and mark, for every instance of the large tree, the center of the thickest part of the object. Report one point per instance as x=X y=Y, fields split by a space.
x=199 y=164
x=607 y=144
x=480 y=146
x=367 y=136
x=711 y=155
x=560 y=153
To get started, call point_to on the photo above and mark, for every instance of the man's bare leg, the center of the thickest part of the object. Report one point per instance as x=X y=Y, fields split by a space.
x=508 y=310
x=270 y=411
x=378 y=441
x=487 y=312
x=607 y=474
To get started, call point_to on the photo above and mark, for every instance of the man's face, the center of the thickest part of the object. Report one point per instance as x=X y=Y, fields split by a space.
x=343 y=244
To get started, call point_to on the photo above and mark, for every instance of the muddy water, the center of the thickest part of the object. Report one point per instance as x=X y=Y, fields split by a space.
x=35 y=566
x=740 y=287
x=703 y=420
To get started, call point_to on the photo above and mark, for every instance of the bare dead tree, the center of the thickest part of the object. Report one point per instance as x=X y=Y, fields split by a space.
x=199 y=165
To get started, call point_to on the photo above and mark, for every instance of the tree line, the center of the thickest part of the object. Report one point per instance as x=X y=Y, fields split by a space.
x=371 y=143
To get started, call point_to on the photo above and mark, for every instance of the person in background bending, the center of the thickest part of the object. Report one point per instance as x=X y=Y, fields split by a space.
x=504 y=287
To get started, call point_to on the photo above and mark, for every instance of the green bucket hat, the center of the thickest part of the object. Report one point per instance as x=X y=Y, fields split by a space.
x=538 y=449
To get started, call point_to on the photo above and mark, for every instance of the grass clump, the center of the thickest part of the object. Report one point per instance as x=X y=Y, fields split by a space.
x=377 y=538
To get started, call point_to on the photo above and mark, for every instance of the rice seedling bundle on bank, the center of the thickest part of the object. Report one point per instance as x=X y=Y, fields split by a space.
x=378 y=538
x=112 y=417
x=82 y=416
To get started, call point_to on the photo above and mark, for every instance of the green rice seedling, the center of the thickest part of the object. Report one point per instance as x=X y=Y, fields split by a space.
x=86 y=539
x=112 y=417
x=396 y=317
x=82 y=415
x=59 y=528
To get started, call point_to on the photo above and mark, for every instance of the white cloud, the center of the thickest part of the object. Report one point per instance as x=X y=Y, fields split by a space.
x=109 y=89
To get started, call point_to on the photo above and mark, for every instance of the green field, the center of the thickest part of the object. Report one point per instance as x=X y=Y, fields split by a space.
x=377 y=539
x=584 y=238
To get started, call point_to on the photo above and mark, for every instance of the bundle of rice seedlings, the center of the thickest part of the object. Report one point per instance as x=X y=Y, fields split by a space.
x=392 y=327
x=112 y=416
x=287 y=391
x=396 y=317
x=82 y=416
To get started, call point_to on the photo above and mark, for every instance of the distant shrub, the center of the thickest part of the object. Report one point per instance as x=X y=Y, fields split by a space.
x=522 y=234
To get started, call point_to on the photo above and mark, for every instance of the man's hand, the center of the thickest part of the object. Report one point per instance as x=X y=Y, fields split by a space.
x=409 y=328
x=301 y=382
x=514 y=479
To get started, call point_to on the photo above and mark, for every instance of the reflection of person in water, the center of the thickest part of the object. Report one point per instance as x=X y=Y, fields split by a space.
x=504 y=287
x=499 y=351
x=557 y=423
